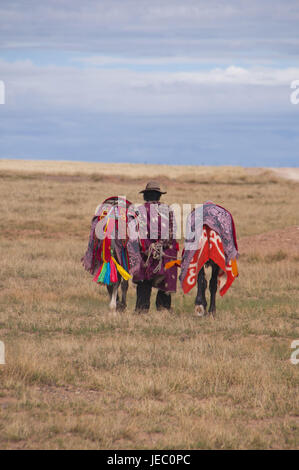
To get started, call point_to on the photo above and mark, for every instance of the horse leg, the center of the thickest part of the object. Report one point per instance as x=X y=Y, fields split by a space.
x=213 y=287
x=200 y=300
x=112 y=289
x=124 y=285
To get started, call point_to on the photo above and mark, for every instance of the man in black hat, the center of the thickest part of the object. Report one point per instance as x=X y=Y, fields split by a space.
x=158 y=246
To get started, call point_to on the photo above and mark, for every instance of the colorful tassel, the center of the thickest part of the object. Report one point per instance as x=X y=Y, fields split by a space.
x=102 y=274
x=234 y=267
x=121 y=270
x=113 y=272
x=107 y=275
x=97 y=274
x=170 y=264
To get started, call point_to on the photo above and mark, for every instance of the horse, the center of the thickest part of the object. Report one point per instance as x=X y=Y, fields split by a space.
x=106 y=256
x=212 y=235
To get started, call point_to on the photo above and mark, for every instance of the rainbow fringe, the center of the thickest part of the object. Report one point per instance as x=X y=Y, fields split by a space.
x=107 y=274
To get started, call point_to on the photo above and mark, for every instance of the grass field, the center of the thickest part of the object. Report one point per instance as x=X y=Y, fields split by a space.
x=77 y=376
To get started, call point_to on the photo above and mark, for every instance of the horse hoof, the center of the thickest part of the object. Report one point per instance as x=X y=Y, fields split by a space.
x=121 y=307
x=200 y=311
x=212 y=312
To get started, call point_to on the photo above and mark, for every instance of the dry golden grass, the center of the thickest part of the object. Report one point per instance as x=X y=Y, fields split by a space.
x=77 y=376
x=98 y=171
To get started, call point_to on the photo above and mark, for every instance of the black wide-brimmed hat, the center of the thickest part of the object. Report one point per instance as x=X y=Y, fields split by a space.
x=153 y=186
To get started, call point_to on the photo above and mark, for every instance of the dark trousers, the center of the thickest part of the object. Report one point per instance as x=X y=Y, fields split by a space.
x=144 y=290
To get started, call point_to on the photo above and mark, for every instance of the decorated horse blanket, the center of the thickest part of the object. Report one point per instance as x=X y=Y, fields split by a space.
x=107 y=251
x=215 y=239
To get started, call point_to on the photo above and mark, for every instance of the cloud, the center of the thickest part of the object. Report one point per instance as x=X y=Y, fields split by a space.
x=206 y=29
x=120 y=89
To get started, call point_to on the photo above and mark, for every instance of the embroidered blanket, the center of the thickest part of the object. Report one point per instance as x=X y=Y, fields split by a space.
x=107 y=247
x=211 y=248
x=216 y=240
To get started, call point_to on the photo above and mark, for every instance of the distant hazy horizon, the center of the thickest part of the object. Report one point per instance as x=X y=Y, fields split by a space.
x=146 y=163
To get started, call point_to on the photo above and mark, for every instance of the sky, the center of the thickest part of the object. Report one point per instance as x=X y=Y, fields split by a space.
x=145 y=81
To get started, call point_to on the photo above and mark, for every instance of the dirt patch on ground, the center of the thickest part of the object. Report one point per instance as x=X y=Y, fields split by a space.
x=282 y=240
x=287 y=173
x=6 y=402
